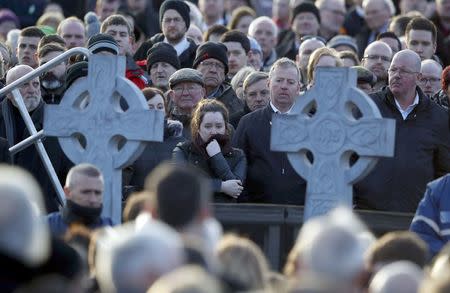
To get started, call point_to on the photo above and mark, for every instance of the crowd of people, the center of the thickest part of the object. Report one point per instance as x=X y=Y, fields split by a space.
x=219 y=70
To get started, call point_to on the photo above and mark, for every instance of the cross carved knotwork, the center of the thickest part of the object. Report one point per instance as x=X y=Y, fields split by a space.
x=113 y=137
x=323 y=122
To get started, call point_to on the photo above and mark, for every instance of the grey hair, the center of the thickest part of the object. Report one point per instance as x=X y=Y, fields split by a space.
x=257 y=21
x=389 y=4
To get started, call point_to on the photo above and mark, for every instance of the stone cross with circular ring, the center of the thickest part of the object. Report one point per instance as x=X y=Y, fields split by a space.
x=327 y=125
x=104 y=120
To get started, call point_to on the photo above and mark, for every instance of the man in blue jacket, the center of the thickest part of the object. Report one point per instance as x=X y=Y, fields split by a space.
x=84 y=201
x=432 y=219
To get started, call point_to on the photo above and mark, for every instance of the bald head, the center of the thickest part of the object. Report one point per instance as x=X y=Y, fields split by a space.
x=401 y=276
x=430 y=81
x=30 y=91
x=377 y=58
x=411 y=58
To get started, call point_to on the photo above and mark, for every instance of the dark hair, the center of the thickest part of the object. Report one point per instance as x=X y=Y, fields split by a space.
x=216 y=29
x=115 y=19
x=238 y=14
x=203 y=107
x=390 y=35
x=236 y=36
x=421 y=23
x=135 y=205
x=51 y=39
x=398 y=25
x=151 y=92
x=179 y=185
x=51 y=47
x=445 y=78
x=32 y=31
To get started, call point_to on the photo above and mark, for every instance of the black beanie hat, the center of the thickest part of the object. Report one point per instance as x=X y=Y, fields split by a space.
x=76 y=71
x=306 y=7
x=211 y=50
x=181 y=7
x=103 y=42
x=162 y=52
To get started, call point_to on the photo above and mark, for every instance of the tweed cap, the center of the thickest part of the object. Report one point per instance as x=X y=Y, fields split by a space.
x=186 y=75
x=342 y=40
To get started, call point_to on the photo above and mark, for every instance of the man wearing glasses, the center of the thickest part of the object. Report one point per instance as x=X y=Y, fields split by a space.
x=422 y=141
x=430 y=81
x=212 y=61
x=377 y=58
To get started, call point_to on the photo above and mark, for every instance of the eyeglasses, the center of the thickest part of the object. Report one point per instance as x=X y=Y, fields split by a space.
x=190 y=88
x=211 y=64
x=311 y=37
x=377 y=57
x=431 y=80
x=400 y=71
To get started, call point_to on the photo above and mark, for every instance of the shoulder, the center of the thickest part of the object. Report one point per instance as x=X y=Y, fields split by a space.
x=440 y=186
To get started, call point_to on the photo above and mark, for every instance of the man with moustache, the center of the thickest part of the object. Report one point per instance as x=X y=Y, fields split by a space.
x=422 y=142
x=52 y=81
x=270 y=176
x=13 y=128
x=377 y=58
x=174 y=21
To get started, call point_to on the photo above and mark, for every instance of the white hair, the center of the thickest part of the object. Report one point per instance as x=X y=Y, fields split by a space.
x=399 y=277
x=390 y=5
x=257 y=21
x=431 y=62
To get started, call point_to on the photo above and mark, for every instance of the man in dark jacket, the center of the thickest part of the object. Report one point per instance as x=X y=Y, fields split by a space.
x=270 y=176
x=52 y=81
x=13 y=128
x=174 y=21
x=422 y=142
x=212 y=61
x=84 y=201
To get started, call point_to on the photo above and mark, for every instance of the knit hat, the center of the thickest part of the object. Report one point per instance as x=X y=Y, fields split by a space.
x=186 y=75
x=103 y=42
x=162 y=52
x=365 y=75
x=91 y=24
x=305 y=7
x=8 y=15
x=75 y=71
x=181 y=7
x=211 y=50
x=342 y=40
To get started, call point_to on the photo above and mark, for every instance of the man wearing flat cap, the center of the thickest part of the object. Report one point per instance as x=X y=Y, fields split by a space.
x=174 y=21
x=187 y=88
x=305 y=21
x=212 y=61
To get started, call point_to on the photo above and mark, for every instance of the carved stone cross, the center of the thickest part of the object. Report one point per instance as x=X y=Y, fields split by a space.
x=331 y=135
x=92 y=127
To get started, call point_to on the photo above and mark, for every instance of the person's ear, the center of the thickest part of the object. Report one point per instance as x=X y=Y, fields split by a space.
x=67 y=192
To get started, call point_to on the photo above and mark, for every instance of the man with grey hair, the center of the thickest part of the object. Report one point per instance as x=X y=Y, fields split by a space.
x=430 y=81
x=253 y=137
x=13 y=128
x=265 y=31
x=422 y=141
x=307 y=47
x=400 y=277
x=377 y=58
x=377 y=14
x=332 y=15
x=84 y=201
x=133 y=256
x=256 y=91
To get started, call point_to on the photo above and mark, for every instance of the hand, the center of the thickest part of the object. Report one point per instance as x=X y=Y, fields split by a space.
x=213 y=148
x=232 y=187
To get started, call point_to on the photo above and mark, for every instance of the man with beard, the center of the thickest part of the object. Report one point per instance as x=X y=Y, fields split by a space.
x=422 y=142
x=52 y=81
x=84 y=201
x=270 y=176
x=212 y=61
x=174 y=21
x=13 y=128
x=162 y=62
x=377 y=58
x=27 y=46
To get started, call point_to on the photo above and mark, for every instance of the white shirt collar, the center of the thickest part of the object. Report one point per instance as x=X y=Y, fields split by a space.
x=408 y=109
x=278 y=111
x=181 y=46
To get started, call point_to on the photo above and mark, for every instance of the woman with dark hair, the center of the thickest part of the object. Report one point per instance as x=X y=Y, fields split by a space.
x=442 y=98
x=210 y=149
x=155 y=152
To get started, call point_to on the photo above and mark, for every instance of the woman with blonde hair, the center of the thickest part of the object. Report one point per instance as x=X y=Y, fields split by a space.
x=323 y=57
